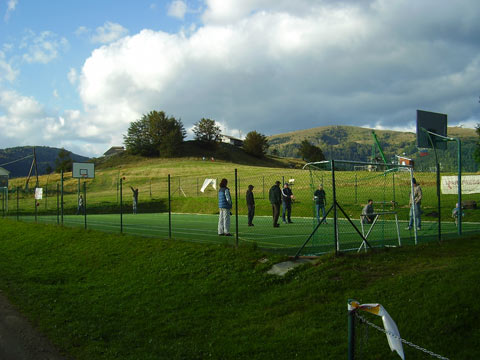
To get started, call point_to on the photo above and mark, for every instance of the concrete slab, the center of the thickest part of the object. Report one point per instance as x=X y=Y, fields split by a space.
x=281 y=269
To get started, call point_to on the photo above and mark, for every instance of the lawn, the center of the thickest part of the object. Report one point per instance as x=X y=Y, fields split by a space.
x=100 y=295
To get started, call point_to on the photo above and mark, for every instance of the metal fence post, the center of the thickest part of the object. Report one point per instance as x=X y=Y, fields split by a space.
x=439 y=203
x=17 y=204
x=61 y=196
x=85 y=202
x=236 y=209
x=169 y=211
x=58 y=204
x=121 y=206
x=351 y=332
x=334 y=193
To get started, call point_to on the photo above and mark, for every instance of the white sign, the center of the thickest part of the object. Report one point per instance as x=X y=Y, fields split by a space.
x=470 y=184
x=38 y=193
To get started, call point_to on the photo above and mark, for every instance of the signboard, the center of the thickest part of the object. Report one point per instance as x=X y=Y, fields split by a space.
x=38 y=193
x=470 y=184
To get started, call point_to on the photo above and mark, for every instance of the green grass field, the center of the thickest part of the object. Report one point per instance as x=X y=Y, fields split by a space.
x=108 y=296
x=286 y=239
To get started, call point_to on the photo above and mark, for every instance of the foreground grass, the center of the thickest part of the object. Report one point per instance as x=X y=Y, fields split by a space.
x=102 y=296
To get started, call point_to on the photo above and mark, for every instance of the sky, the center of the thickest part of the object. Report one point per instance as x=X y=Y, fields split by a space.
x=76 y=73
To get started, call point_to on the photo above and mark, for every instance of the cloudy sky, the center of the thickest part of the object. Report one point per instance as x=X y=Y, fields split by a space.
x=74 y=74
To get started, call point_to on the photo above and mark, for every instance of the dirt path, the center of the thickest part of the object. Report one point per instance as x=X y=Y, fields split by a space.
x=19 y=340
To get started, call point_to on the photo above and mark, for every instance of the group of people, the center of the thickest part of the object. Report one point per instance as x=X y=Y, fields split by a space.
x=284 y=197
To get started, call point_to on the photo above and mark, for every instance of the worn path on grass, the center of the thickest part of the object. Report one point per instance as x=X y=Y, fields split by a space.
x=19 y=340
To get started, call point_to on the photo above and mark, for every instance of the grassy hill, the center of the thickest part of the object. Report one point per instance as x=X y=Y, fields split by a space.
x=104 y=296
x=355 y=143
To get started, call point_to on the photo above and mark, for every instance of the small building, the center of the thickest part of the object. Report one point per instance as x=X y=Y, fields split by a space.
x=4 y=175
x=114 y=150
x=231 y=140
x=402 y=160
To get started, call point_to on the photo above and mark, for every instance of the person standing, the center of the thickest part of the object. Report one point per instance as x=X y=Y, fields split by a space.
x=367 y=211
x=250 y=205
x=415 y=209
x=224 y=207
x=134 y=199
x=320 y=199
x=80 y=210
x=275 y=197
x=287 y=197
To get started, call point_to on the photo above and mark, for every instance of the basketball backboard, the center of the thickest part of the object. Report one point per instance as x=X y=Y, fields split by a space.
x=83 y=170
x=435 y=123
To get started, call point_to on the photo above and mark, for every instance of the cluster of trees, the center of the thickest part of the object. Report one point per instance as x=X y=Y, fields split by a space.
x=157 y=134
x=310 y=152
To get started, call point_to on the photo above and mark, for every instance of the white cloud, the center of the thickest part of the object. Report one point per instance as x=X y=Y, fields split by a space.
x=108 y=33
x=272 y=67
x=7 y=72
x=177 y=9
x=81 y=30
x=11 y=5
x=72 y=76
x=42 y=48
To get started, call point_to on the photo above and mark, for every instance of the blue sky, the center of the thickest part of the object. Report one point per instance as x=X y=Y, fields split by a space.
x=74 y=74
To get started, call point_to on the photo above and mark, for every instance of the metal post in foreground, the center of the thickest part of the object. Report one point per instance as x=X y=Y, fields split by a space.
x=236 y=209
x=439 y=203
x=169 y=211
x=17 y=204
x=351 y=331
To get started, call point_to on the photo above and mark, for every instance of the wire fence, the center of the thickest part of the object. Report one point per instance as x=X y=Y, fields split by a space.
x=186 y=207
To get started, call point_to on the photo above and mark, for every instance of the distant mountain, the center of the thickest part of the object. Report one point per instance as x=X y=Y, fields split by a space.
x=45 y=158
x=355 y=143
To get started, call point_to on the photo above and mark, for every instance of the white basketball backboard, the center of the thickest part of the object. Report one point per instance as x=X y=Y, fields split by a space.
x=83 y=170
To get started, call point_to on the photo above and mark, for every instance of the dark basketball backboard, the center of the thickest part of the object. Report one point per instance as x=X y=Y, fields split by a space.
x=435 y=123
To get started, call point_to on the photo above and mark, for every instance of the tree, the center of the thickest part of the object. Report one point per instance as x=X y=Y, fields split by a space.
x=155 y=134
x=310 y=152
x=255 y=144
x=63 y=161
x=207 y=131
x=477 y=148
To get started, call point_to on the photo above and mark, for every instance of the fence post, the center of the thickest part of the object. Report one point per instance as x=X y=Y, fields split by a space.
x=351 y=332
x=334 y=193
x=85 y=202
x=439 y=203
x=58 y=204
x=169 y=211
x=121 y=205
x=236 y=210
x=263 y=186
x=356 y=199
x=17 y=204
x=61 y=196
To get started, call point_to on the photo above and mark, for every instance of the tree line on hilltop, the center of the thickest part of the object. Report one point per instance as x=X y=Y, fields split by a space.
x=157 y=134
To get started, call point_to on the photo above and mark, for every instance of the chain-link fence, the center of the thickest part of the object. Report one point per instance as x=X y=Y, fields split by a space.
x=186 y=207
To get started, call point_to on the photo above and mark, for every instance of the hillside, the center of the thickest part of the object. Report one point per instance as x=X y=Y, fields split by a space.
x=45 y=157
x=355 y=143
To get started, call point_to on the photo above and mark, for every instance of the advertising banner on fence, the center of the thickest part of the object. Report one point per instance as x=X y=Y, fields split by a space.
x=470 y=184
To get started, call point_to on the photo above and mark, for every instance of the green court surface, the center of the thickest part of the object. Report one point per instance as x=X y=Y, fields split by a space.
x=288 y=238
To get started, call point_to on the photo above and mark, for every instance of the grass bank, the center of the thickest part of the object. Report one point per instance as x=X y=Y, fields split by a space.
x=105 y=296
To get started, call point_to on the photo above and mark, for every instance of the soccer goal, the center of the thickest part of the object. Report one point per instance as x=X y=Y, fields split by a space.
x=352 y=189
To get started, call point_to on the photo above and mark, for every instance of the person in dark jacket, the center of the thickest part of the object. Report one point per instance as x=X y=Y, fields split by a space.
x=224 y=207
x=250 y=205
x=367 y=212
x=320 y=201
x=287 y=197
x=275 y=197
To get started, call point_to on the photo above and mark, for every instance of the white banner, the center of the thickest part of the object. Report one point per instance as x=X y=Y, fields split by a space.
x=38 y=193
x=470 y=184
